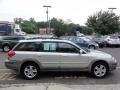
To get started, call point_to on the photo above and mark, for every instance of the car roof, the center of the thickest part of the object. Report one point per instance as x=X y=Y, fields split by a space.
x=49 y=40
x=40 y=40
x=10 y=36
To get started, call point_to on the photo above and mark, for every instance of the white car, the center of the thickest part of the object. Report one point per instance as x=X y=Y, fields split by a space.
x=112 y=40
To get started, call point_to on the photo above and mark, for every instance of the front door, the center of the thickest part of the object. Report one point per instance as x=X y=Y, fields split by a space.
x=71 y=59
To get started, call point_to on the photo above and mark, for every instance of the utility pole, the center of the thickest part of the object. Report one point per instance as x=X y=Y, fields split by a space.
x=48 y=22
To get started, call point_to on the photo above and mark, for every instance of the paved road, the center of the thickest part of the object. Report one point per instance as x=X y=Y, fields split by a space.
x=70 y=78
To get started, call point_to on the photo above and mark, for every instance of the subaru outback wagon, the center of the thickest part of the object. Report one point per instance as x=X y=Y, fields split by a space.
x=29 y=57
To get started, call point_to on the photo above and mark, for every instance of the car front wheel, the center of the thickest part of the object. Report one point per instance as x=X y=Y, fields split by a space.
x=91 y=47
x=99 y=70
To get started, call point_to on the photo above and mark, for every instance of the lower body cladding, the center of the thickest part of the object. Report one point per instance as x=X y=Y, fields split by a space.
x=16 y=66
x=112 y=66
x=112 y=45
x=13 y=65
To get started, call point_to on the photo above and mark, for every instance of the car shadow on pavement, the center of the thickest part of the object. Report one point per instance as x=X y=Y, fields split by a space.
x=71 y=78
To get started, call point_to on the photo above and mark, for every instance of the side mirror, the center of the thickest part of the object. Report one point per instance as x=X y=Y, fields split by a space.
x=81 y=52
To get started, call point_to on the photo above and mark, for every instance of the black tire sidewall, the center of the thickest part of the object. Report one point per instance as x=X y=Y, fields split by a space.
x=99 y=63
x=93 y=47
x=6 y=46
x=23 y=68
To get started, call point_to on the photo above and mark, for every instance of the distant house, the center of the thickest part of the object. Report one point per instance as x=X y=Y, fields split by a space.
x=44 y=31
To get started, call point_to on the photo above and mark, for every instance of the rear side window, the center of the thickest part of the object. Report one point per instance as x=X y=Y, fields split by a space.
x=49 y=47
x=29 y=46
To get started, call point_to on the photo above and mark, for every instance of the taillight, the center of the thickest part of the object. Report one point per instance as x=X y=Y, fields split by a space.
x=10 y=54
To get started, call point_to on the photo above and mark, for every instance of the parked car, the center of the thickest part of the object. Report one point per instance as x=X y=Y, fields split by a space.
x=29 y=57
x=112 y=40
x=8 y=42
x=100 y=41
x=82 y=41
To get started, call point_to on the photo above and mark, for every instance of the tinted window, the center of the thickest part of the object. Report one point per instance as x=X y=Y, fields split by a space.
x=72 y=39
x=114 y=37
x=9 y=38
x=29 y=46
x=67 y=48
x=18 y=38
x=79 y=40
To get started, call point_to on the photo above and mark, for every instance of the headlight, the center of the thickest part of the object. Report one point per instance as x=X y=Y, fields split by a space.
x=114 y=59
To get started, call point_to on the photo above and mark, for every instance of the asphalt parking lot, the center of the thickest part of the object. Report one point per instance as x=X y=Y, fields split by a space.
x=69 y=78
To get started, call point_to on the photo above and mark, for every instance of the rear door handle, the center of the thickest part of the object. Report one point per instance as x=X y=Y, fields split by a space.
x=64 y=55
x=39 y=56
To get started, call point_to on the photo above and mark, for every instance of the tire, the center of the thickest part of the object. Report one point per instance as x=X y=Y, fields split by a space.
x=27 y=71
x=91 y=47
x=99 y=70
x=6 y=48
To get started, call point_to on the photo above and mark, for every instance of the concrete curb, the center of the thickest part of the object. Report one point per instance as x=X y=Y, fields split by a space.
x=51 y=86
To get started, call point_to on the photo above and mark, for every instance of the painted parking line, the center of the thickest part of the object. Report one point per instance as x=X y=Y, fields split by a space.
x=7 y=76
x=11 y=76
x=118 y=67
x=71 y=77
x=4 y=70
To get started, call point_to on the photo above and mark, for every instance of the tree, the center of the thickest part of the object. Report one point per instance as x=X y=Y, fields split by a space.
x=18 y=20
x=86 y=30
x=28 y=27
x=62 y=28
x=103 y=22
x=58 y=26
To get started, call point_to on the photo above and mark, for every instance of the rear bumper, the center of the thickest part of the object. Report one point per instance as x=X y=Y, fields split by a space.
x=13 y=64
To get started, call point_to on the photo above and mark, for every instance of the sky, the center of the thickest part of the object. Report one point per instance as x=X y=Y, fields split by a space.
x=76 y=11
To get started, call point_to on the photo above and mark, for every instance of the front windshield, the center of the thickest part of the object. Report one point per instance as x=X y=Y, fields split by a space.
x=86 y=39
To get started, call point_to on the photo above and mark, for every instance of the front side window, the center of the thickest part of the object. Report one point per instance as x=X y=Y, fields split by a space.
x=67 y=48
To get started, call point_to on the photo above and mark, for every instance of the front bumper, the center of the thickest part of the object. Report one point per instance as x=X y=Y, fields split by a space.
x=113 y=66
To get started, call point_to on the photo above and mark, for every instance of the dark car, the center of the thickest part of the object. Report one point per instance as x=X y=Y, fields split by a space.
x=8 y=42
x=100 y=41
x=81 y=41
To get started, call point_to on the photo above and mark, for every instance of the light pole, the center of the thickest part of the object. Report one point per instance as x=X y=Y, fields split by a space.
x=48 y=23
x=112 y=9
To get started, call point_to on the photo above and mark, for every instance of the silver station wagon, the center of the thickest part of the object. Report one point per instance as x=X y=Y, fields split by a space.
x=29 y=57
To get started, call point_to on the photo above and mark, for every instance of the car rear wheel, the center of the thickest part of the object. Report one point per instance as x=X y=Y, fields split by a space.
x=30 y=71
x=99 y=70
x=6 y=48
x=91 y=47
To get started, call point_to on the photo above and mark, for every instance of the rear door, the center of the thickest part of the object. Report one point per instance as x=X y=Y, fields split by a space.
x=48 y=57
x=43 y=53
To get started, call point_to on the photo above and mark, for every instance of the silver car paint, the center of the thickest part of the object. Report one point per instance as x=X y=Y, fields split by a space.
x=63 y=61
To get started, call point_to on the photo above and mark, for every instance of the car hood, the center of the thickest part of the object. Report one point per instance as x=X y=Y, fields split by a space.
x=92 y=42
x=99 y=54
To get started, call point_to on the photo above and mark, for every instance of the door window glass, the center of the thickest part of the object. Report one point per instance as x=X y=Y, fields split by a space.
x=29 y=46
x=67 y=48
x=49 y=47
